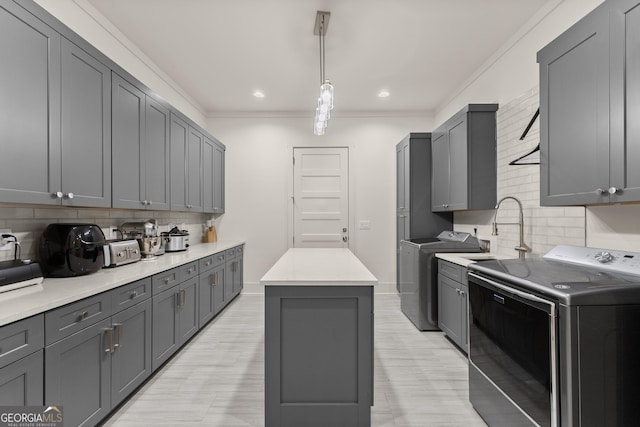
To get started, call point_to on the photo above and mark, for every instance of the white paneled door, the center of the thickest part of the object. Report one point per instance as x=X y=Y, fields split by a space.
x=321 y=197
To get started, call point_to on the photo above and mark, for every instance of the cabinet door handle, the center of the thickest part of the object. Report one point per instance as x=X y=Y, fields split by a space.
x=214 y=279
x=118 y=329
x=613 y=190
x=58 y=195
x=599 y=191
x=461 y=293
x=70 y=195
x=110 y=348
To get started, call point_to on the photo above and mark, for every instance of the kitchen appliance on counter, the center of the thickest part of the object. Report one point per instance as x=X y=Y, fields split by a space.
x=418 y=274
x=556 y=341
x=175 y=240
x=71 y=249
x=18 y=273
x=147 y=235
x=121 y=252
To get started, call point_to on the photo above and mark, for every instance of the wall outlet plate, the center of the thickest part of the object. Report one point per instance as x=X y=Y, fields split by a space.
x=8 y=246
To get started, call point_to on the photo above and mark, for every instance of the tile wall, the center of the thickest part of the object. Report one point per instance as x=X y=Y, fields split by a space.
x=28 y=222
x=545 y=227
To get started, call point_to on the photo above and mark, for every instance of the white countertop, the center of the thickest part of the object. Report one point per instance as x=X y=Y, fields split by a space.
x=55 y=292
x=466 y=258
x=318 y=267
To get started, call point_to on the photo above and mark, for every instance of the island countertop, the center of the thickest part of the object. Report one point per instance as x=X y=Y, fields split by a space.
x=318 y=267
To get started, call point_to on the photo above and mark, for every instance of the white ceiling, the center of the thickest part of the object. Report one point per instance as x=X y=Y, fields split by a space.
x=221 y=51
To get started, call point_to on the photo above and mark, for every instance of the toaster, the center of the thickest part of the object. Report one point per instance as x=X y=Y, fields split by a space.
x=121 y=252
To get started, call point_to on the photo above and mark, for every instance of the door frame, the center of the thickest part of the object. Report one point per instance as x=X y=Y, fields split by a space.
x=350 y=185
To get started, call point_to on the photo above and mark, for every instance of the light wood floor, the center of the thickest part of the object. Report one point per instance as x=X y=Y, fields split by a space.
x=218 y=378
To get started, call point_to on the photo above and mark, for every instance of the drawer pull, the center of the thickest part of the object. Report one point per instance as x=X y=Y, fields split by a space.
x=133 y=295
x=83 y=316
x=190 y=270
x=208 y=263
x=166 y=280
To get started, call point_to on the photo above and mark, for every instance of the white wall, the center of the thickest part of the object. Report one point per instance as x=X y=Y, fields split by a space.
x=258 y=183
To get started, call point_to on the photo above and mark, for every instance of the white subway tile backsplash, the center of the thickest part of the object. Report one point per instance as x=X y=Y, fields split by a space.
x=28 y=222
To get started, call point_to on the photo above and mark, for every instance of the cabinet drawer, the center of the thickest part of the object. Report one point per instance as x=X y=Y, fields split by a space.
x=71 y=318
x=165 y=280
x=21 y=338
x=188 y=271
x=131 y=294
x=211 y=262
x=452 y=271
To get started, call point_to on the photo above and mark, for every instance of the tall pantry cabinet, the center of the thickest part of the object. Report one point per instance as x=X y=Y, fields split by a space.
x=414 y=218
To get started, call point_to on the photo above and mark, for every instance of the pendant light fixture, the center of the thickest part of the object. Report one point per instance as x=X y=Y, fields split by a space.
x=325 y=100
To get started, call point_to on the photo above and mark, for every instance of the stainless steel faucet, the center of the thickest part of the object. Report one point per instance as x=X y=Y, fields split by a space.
x=521 y=248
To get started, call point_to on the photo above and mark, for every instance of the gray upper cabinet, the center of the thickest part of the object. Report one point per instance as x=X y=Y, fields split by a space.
x=179 y=147
x=30 y=105
x=213 y=176
x=463 y=162
x=187 y=153
x=140 y=148
x=589 y=99
x=94 y=136
x=218 y=178
x=56 y=111
x=86 y=130
x=194 y=170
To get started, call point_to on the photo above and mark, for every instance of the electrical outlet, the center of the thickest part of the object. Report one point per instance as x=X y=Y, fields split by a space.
x=5 y=246
x=365 y=224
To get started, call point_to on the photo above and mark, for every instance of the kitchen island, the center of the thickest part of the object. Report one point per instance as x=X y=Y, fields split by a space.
x=318 y=339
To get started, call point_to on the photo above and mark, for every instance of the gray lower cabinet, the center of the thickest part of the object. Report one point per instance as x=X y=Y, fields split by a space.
x=463 y=160
x=78 y=375
x=21 y=362
x=175 y=313
x=453 y=302
x=141 y=146
x=236 y=270
x=21 y=383
x=90 y=370
x=589 y=102
x=211 y=287
x=220 y=282
x=318 y=355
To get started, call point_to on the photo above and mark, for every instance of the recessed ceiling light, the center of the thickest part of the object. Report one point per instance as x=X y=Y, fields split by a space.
x=383 y=94
x=258 y=94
